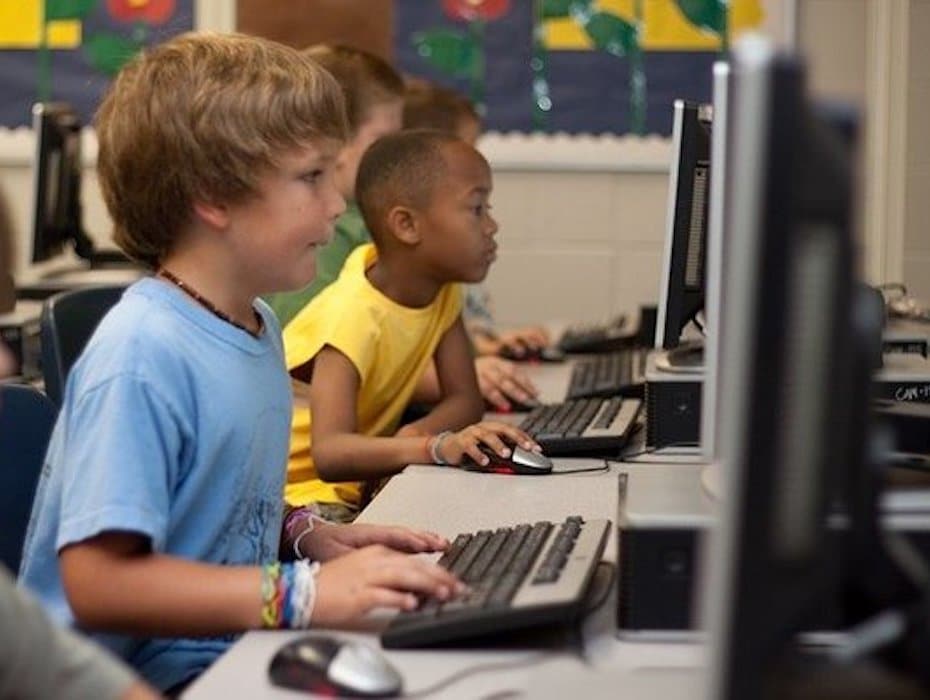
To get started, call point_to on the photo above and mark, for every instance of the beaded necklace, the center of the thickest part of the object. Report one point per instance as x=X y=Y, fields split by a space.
x=209 y=306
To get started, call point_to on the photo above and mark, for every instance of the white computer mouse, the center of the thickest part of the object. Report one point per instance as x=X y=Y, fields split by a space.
x=326 y=665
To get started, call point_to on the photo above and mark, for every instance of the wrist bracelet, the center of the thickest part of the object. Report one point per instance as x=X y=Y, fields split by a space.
x=271 y=599
x=311 y=521
x=435 y=447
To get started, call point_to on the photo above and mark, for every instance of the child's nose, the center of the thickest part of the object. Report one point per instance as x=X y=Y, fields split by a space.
x=337 y=202
x=492 y=225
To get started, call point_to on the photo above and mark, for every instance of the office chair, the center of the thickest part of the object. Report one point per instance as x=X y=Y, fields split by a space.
x=26 y=420
x=68 y=321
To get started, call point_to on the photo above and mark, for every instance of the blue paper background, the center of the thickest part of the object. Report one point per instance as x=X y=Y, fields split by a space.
x=589 y=89
x=73 y=78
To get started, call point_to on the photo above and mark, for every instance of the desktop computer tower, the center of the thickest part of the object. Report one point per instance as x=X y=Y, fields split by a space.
x=665 y=511
x=19 y=331
x=673 y=405
x=904 y=377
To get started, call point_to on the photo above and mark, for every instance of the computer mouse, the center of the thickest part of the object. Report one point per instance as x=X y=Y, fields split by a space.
x=331 y=666
x=520 y=461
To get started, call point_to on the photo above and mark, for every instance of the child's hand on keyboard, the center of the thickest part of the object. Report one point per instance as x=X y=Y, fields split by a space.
x=329 y=540
x=502 y=382
x=523 y=340
x=377 y=577
x=454 y=447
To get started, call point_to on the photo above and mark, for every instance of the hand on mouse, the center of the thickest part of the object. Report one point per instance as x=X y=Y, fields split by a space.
x=328 y=540
x=502 y=381
x=453 y=448
x=377 y=577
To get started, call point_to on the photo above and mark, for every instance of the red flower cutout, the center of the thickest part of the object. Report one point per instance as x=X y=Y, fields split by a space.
x=150 y=11
x=468 y=10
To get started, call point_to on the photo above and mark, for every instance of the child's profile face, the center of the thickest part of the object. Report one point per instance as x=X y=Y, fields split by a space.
x=276 y=232
x=383 y=119
x=459 y=228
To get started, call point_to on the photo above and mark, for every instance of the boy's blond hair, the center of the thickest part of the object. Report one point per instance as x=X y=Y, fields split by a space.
x=203 y=117
x=366 y=80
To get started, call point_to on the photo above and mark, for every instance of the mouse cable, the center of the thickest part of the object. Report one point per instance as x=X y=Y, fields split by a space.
x=602 y=468
x=526 y=661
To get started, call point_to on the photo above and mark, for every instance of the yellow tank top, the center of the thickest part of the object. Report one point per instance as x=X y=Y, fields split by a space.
x=390 y=346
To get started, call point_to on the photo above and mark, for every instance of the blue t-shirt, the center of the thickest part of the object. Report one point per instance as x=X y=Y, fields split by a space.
x=175 y=426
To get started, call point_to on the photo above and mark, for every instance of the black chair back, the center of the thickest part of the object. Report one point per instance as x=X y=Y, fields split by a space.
x=68 y=321
x=26 y=420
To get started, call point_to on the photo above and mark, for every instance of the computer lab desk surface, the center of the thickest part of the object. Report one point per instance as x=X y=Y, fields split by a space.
x=449 y=501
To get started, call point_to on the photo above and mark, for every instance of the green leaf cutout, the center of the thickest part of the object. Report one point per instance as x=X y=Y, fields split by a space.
x=452 y=52
x=611 y=34
x=558 y=9
x=109 y=52
x=68 y=9
x=709 y=15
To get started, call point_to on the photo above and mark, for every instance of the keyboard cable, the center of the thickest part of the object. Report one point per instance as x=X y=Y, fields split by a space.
x=527 y=661
x=442 y=684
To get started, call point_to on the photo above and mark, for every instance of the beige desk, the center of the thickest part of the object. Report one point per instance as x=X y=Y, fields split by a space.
x=464 y=501
x=450 y=501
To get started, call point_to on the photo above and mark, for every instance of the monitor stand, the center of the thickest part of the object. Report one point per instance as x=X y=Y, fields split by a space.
x=687 y=358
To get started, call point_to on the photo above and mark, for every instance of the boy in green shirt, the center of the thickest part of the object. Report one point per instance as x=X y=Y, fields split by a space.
x=374 y=105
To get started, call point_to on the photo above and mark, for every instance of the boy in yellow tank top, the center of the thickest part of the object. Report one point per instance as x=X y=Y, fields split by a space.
x=358 y=350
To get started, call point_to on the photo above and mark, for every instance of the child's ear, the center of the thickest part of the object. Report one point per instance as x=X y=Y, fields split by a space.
x=403 y=223
x=213 y=215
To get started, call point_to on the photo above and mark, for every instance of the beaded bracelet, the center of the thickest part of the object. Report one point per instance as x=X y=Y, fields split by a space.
x=435 y=447
x=288 y=594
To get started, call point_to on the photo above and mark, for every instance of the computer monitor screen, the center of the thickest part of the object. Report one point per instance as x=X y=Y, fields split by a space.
x=57 y=182
x=681 y=295
x=793 y=394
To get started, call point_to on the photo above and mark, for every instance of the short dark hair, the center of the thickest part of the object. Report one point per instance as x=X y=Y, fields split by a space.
x=431 y=106
x=400 y=168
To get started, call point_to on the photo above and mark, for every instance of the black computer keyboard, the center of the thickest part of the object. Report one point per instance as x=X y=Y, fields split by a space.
x=590 y=338
x=517 y=576
x=583 y=426
x=619 y=373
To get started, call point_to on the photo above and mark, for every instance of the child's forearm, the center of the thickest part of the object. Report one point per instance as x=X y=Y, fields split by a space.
x=454 y=412
x=158 y=595
x=353 y=457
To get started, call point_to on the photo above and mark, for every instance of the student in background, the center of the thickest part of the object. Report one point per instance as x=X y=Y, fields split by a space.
x=158 y=516
x=374 y=102
x=374 y=94
x=357 y=351
x=429 y=105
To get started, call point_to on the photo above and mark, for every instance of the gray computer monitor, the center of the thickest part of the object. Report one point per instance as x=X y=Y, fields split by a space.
x=792 y=394
x=681 y=291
